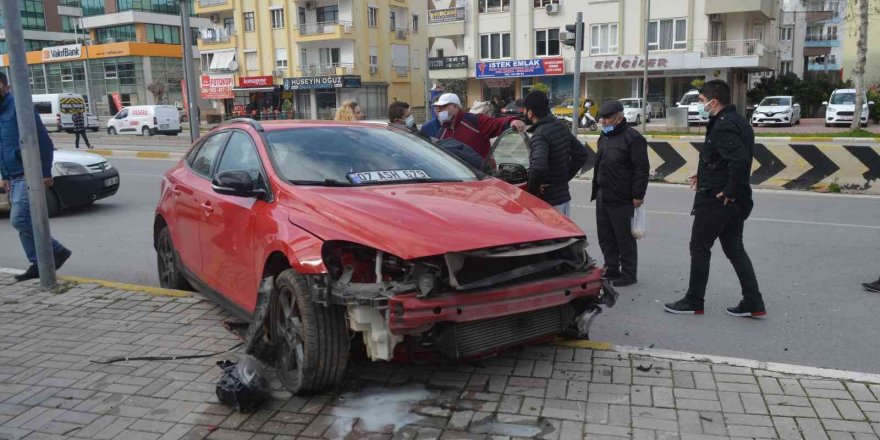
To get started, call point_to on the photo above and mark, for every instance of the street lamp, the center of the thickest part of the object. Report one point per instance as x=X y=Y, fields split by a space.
x=86 y=42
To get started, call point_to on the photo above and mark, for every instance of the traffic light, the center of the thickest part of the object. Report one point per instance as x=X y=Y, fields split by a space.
x=570 y=30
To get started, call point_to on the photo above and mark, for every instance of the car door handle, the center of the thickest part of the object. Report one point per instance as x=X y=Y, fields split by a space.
x=207 y=208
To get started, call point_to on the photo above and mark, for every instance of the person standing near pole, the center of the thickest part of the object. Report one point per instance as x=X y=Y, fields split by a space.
x=79 y=128
x=722 y=204
x=13 y=180
x=620 y=181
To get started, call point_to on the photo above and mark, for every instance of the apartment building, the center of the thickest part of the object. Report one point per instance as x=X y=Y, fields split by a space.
x=512 y=44
x=45 y=23
x=310 y=55
x=121 y=52
x=811 y=37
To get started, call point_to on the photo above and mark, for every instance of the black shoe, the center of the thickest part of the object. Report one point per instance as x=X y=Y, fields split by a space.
x=30 y=274
x=61 y=256
x=611 y=274
x=624 y=281
x=746 y=311
x=683 y=307
x=872 y=287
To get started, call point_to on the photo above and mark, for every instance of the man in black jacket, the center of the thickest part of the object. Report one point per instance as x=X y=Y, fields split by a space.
x=722 y=204
x=555 y=155
x=620 y=180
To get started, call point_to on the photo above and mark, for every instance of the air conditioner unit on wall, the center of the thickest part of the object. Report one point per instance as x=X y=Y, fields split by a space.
x=278 y=72
x=310 y=5
x=552 y=8
x=374 y=69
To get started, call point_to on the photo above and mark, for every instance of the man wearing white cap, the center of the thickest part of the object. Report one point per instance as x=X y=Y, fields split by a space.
x=474 y=130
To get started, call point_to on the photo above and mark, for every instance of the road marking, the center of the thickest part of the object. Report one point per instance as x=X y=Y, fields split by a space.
x=581 y=343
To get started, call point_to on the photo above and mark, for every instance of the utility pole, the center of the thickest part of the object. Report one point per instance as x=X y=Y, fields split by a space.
x=645 y=80
x=578 y=43
x=188 y=71
x=30 y=149
x=86 y=41
x=427 y=83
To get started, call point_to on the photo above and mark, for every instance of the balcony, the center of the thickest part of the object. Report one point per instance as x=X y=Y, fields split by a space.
x=821 y=40
x=765 y=7
x=216 y=39
x=747 y=54
x=327 y=69
x=823 y=67
x=399 y=34
x=213 y=6
x=322 y=31
x=816 y=16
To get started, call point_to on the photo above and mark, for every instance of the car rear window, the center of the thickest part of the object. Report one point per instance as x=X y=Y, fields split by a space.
x=360 y=156
x=43 y=108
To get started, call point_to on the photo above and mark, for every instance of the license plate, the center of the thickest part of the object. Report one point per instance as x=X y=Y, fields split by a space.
x=163 y=126
x=111 y=181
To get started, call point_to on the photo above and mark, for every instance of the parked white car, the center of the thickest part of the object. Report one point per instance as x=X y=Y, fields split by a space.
x=146 y=120
x=691 y=100
x=774 y=110
x=841 y=107
x=632 y=110
x=56 y=111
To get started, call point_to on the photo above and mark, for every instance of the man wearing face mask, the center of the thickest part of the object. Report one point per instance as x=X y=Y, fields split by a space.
x=12 y=177
x=401 y=117
x=722 y=204
x=473 y=130
x=555 y=155
x=620 y=180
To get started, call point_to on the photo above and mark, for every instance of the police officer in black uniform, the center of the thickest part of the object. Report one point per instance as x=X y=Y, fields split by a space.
x=722 y=204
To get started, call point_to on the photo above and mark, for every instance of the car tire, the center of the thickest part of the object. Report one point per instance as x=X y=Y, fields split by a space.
x=53 y=203
x=593 y=126
x=170 y=275
x=638 y=120
x=312 y=340
x=111 y=131
x=95 y=129
x=146 y=132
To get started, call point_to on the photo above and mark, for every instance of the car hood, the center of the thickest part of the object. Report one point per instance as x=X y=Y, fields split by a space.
x=772 y=108
x=421 y=220
x=78 y=157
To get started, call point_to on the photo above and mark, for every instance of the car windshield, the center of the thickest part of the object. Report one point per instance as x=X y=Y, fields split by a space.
x=775 y=101
x=349 y=156
x=690 y=99
x=567 y=103
x=843 y=98
x=630 y=103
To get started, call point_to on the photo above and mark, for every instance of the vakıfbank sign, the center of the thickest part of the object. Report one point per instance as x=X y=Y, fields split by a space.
x=58 y=53
x=451 y=13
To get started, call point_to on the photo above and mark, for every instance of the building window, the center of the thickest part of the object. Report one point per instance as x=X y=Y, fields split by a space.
x=69 y=23
x=302 y=15
x=485 y=6
x=115 y=34
x=32 y=15
x=495 y=46
x=281 y=58
x=415 y=26
x=157 y=33
x=547 y=42
x=92 y=7
x=543 y=3
x=834 y=6
x=831 y=32
x=374 y=57
x=229 y=25
x=249 y=22
x=250 y=60
x=328 y=56
x=328 y=14
x=392 y=18
x=373 y=16
x=160 y=6
x=787 y=33
x=603 y=39
x=303 y=58
x=785 y=67
x=667 y=34
x=74 y=3
x=110 y=72
x=277 y=18
x=416 y=59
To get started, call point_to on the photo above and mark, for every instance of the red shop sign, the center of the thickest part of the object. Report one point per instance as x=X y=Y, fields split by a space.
x=255 y=81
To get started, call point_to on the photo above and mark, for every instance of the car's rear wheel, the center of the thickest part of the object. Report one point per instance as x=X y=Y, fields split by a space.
x=311 y=339
x=170 y=276
x=146 y=131
x=593 y=126
x=53 y=203
x=111 y=131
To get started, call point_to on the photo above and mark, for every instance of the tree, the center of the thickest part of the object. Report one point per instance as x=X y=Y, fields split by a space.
x=157 y=88
x=861 y=59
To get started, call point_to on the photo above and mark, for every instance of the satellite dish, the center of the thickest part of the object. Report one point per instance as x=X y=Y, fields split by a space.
x=233 y=65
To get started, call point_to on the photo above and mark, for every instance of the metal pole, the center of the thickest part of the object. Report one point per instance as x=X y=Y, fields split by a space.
x=427 y=83
x=188 y=71
x=85 y=42
x=576 y=87
x=29 y=144
x=645 y=80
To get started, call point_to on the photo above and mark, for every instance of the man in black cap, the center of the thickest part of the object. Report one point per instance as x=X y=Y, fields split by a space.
x=555 y=155
x=620 y=180
x=722 y=204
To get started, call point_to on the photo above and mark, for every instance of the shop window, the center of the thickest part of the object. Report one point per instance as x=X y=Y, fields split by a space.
x=547 y=42
x=249 y=25
x=277 y=18
x=487 y=6
x=495 y=46
x=373 y=16
x=603 y=39
x=667 y=34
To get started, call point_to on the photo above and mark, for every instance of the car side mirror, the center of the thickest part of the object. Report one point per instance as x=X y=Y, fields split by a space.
x=870 y=102
x=824 y=102
x=512 y=173
x=678 y=103
x=237 y=183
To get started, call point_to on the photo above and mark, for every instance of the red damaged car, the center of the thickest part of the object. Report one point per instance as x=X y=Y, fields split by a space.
x=318 y=231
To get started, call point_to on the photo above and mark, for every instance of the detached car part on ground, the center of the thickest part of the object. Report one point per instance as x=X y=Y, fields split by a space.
x=375 y=232
x=80 y=179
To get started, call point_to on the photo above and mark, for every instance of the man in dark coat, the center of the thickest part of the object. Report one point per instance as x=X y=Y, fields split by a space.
x=620 y=180
x=555 y=155
x=722 y=204
x=79 y=128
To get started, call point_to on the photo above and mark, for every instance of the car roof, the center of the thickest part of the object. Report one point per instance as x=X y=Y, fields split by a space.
x=843 y=91
x=299 y=123
x=779 y=96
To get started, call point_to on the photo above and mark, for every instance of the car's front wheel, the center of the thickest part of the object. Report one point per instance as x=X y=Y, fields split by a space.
x=170 y=276
x=111 y=131
x=312 y=340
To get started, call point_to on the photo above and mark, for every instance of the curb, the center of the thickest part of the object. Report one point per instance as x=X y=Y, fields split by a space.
x=138 y=154
x=149 y=290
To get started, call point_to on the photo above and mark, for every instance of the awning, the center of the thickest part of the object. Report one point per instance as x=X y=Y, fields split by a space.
x=221 y=60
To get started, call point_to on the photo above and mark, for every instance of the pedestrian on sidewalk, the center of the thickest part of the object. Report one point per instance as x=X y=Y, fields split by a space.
x=722 y=203
x=555 y=155
x=474 y=130
x=349 y=111
x=620 y=181
x=12 y=177
x=79 y=128
x=872 y=287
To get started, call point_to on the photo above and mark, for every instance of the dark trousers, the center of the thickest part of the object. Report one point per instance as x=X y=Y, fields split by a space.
x=83 y=134
x=613 y=224
x=713 y=220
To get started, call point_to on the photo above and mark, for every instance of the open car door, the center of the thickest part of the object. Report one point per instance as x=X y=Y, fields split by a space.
x=508 y=159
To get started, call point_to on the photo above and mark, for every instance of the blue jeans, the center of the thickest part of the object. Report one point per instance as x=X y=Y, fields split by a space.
x=564 y=208
x=20 y=217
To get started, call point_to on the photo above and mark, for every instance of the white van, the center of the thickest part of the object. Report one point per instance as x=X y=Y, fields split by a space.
x=691 y=100
x=56 y=111
x=146 y=120
x=841 y=106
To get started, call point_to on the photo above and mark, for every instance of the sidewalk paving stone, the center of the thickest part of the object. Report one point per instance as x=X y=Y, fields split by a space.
x=51 y=389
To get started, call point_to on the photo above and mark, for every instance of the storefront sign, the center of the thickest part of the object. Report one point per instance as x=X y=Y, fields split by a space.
x=255 y=81
x=217 y=87
x=511 y=68
x=448 y=15
x=322 y=82
x=629 y=63
x=438 y=63
x=117 y=100
x=59 y=53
